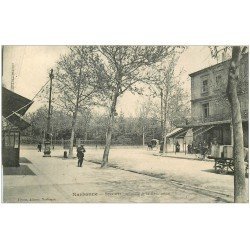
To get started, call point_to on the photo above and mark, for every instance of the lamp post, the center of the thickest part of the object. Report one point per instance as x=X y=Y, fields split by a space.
x=47 y=141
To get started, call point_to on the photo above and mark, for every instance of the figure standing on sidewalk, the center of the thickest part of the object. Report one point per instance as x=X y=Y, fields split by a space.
x=177 y=147
x=80 y=155
x=204 y=149
x=39 y=147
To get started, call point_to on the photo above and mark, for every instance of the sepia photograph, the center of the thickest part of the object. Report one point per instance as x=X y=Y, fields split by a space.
x=125 y=124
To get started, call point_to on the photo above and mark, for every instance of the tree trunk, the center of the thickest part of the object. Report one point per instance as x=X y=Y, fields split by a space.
x=74 y=122
x=164 y=137
x=143 y=136
x=240 y=191
x=72 y=135
x=165 y=121
x=109 y=130
x=162 y=126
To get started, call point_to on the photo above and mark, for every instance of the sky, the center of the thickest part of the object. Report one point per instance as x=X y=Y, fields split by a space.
x=32 y=64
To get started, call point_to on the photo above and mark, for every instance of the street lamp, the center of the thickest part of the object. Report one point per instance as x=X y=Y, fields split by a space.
x=47 y=141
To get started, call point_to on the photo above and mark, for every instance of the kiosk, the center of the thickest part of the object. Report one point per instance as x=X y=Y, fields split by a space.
x=14 y=107
x=11 y=148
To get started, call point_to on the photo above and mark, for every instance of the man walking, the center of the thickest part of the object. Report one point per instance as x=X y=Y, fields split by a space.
x=80 y=155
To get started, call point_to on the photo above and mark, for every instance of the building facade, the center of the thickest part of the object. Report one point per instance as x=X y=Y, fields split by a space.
x=210 y=109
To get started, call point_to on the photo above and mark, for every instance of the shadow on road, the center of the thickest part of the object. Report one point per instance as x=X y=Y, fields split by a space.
x=22 y=170
x=214 y=172
x=24 y=160
x=63 y=158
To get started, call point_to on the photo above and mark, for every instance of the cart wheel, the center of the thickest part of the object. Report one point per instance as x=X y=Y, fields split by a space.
x=216 y=169
x=224 y=171
x=219 y=170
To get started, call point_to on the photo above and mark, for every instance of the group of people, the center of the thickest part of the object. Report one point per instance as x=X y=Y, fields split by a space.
x=201 y=147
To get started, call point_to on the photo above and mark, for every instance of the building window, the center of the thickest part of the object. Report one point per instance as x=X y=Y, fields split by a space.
x=218 y=80
x=244 y=70
x=205 y=86
x=243 y=104
x=205 y=108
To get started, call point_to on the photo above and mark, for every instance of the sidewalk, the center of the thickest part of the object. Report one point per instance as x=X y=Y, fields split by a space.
x=58 y=180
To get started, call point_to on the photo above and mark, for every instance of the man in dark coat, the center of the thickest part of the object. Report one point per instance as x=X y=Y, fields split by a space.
x=177 y=147
x=39 y=146
x=80 y=155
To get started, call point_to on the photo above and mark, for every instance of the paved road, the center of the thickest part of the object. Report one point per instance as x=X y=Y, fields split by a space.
x=197 y=174
x=142 y=177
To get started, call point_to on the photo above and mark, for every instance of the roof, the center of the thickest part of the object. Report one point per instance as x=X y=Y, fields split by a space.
x=155 y=140
x=211 y=123
x=215 y=65
x=14 y=106
x=18 y=121
x=177 y=132
x=12 y=102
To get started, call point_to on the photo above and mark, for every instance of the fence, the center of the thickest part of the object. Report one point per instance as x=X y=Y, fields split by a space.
x=34 y=140
x=25 y=140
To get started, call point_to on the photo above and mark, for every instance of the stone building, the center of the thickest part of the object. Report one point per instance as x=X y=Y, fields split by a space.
x=210 y=109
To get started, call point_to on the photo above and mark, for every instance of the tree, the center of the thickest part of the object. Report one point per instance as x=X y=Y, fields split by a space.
x=97 y=126
x=83 y=124
x=147 y=119
x=125 y=66
x=60 y=123
x=240 y=189
x=166 y=85
x=80 y=78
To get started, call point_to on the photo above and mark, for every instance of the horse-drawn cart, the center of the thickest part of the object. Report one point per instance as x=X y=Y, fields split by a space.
x=223 y=159
x=222 y=165
x=153 y=144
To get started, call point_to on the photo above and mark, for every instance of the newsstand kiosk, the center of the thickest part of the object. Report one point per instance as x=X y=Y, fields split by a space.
x=14 y=106
x=11 y=148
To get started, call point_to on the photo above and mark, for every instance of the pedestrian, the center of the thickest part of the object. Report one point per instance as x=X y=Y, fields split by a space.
x=39 y=146
x=177 y=147
x=204 y=149
x=80 y=155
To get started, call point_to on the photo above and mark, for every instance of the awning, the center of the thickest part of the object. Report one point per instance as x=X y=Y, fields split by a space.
x=178 y=133
x=18 y=121
x=201 y=130
x=12 y=102
x=14 y=106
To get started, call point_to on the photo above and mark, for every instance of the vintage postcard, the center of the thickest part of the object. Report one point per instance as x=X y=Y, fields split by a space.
x=125 y=124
